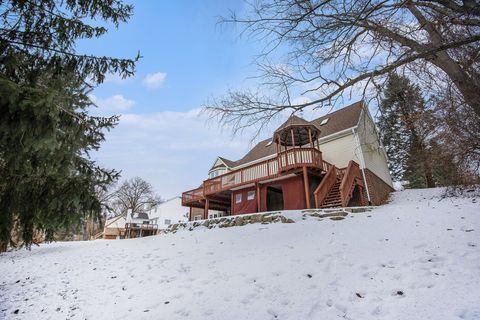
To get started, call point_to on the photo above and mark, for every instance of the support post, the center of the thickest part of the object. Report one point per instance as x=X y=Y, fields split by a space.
x=205 y=210
x=306 y=187
x=293 y=148
x=311 y=145
x=258 y=196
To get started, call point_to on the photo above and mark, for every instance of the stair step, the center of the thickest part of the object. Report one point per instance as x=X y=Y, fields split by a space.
x=332 y=201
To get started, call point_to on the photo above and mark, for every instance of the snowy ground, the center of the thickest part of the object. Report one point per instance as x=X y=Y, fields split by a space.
x=416 y=258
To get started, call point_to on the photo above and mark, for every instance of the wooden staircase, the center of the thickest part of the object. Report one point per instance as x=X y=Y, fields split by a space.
x=337 y=186
x=333 y=198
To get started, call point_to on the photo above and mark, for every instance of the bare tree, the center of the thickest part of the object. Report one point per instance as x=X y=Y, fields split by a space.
x=339 y=47
x=136 y=195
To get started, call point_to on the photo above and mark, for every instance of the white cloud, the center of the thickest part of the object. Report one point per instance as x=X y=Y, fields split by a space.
x=172 y=150
x=154 y=80
x=115 y=103
x=116 y=79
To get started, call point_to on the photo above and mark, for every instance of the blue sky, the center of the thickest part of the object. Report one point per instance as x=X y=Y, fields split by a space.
x=187 y=58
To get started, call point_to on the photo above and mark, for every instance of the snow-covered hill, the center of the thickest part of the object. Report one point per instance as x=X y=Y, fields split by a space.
x=416 y=258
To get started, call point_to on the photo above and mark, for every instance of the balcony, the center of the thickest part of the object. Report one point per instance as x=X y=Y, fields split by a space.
x=285 y=162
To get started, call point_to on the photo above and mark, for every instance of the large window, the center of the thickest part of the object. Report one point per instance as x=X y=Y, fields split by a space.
x=238 y=198
x=216 y=173
x=251 y=195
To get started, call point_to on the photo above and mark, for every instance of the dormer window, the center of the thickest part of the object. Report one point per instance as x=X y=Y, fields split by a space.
x=324 y=121
x=216 y=172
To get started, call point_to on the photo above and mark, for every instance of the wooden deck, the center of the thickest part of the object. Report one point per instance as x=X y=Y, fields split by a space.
x=135 y=230
x=285 y=162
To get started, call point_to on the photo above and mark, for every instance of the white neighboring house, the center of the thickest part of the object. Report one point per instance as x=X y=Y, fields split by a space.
x=170 y=212
x=140 y=218
x=114 y=228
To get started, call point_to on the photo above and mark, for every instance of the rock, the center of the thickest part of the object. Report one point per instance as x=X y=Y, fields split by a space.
x=337 y=218
x=16 y=311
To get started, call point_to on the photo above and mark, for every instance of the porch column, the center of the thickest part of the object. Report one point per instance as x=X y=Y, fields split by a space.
x=190 y=218
x=293 y=147
x=311 y=145
x=205 y=210
x=257 y=194
x=305 y=185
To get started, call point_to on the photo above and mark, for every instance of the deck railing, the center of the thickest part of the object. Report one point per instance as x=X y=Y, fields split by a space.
x=351 y=177
x=267 y=169
x=192 y=195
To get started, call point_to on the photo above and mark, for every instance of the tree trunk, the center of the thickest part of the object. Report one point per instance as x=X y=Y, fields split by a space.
x=468 y=87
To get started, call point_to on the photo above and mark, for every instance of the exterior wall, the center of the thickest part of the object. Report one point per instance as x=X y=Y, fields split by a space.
x=195 y=213
x=244 y=206
x=379 y=189
x=198 y=212
x=170 y=210
x=114 y=228
x=340 y=151
x=293 y=196
x=374 y=155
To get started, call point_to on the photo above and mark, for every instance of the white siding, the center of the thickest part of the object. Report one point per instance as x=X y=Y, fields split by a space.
x=170 y=210
x=340 y=151
x=373 y=153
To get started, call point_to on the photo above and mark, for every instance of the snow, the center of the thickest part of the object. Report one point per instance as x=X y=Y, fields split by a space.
x=415 y=258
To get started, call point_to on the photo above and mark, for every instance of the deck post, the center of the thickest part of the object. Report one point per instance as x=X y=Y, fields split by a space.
x=293 y=146
x=205 y=210
x=259 y=198
x=311 y=144
x=305 y=185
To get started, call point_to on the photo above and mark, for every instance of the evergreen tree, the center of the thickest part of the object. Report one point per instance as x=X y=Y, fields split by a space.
x=47 y=179
x=405 y=124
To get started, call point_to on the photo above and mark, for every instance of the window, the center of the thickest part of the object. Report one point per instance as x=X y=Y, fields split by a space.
x=168 y=221
x=324 y=121
x=197 y=218
x=216 y=173
x=238 y=198
x=251 y=195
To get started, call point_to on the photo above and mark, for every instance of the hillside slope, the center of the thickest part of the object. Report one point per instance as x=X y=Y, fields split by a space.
x=415 y=258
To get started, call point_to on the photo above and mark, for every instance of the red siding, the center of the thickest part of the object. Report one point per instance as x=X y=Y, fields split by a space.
x=245 y=206
x=293 y=196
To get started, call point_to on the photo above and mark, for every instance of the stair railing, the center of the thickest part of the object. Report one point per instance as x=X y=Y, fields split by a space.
x=351 y=177
x=324 y=187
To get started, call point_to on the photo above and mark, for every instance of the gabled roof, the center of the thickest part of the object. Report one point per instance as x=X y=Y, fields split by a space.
x=293 y=120
x=338 y=120
x=229 y=163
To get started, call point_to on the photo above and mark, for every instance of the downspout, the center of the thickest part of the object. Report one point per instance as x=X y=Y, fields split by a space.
x=362 y=163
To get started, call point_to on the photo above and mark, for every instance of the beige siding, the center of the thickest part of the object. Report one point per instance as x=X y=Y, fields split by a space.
x=340 y=151
x=374 y=156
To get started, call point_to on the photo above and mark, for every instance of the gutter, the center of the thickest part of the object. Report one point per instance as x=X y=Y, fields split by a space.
x=362 y=162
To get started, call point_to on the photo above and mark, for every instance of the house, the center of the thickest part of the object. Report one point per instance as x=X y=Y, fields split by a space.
x=114 y=228
x=169 y=212
x=140 y=225
x=334 y=161
x=130 y=226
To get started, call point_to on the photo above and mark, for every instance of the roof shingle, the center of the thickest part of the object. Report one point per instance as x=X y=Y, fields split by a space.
x=338 y=120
